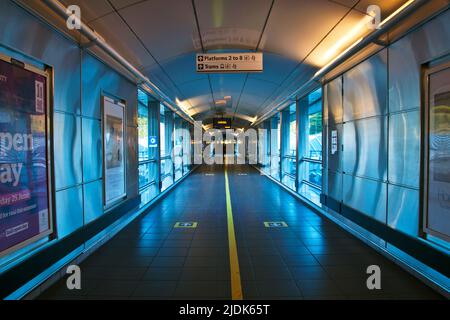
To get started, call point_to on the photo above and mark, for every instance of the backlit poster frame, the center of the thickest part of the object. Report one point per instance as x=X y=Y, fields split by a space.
x=45 y=216
x=428 y=176
x=114 y=154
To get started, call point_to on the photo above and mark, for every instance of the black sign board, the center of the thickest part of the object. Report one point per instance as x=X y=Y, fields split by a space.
x=222 y=123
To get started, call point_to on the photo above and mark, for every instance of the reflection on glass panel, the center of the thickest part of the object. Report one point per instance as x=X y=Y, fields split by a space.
x=293 y=134
x=313 y=173
x=264 y=148
x=275 y=135
x=167 y=174
x=289 y=146
x=289 y=181
x=144 y=175
x=310 y=192
x=315 y=136
x=178 y=147
x=310 y=136
x=186 y=148
x=148 y=165
x=166 y=142
x=149 y=193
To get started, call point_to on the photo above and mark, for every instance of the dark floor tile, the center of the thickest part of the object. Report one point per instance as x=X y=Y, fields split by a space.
x=177 y=243
x=60 y=290
x=300 y=261
x=199 y=289
x=154 y=236
x=247 y=274
x=271 y=273
x=181 y=236
x=199 y=274
x=249 y=290
x=163 y=274
x=114 y=273
x=255 y=243
x=173 y=252
x=267 y=261
x=114 y=288
x=207 y=252
x=288 y=243
x=279 y=288
x=145 y=243
x=155 y=289
x=194 y=261
x=340 y=259
x=308 y=273
x=346 y=271
x=168 y=262
x=318 y=288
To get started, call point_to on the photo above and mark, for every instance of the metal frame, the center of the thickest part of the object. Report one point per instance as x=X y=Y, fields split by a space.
x=301 y=159
x=156 y=158
x=175 y=170
x=425 y=154
x=170 y=156
x=118 y=200
x=283 y=172
x=297 y=153
x=52 y=232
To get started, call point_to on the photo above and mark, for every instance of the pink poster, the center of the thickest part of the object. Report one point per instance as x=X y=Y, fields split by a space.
x=24 y=204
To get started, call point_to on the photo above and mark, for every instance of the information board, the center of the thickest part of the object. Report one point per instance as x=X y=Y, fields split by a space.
x=437 y=184
x=113 y=144
x=230 y=62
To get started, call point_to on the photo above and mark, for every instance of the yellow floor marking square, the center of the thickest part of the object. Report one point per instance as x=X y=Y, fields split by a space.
x=275 y=224
x=190 y=225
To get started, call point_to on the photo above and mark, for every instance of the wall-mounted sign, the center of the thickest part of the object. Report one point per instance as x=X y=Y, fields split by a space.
x=153 y=142
x=25 y=214
x=230 y=62
x=334 y=142
x=437 y=161
x=222 y=123
x=113 y=144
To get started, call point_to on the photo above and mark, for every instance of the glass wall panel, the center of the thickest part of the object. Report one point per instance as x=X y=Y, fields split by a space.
x=275 y=134
x=147 y=147
x=264 y=146
x=166 y=141
x=178 y=147
x=289 y=146
x=310 y=145
x=143 y=131
x=186 y=148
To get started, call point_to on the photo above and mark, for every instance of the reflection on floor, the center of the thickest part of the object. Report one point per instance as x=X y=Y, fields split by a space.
x=312 y=258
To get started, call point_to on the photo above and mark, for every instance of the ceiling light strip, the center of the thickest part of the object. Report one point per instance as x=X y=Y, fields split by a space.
x=402 y=12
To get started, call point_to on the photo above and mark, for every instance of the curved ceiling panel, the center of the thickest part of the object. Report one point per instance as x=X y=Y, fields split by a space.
x=162 y=37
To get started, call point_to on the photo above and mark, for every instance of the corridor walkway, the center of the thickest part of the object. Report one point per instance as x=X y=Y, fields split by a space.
x=309 y=258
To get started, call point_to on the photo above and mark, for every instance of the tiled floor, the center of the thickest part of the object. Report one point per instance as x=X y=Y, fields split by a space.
x=310 y=259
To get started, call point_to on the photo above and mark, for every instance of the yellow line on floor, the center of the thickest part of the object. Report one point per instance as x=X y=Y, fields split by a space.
x=236 y=288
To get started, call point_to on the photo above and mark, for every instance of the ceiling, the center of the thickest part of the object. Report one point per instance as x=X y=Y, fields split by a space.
x=162 y=37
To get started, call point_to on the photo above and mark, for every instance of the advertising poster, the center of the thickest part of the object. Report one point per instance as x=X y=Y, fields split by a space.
x=438 y=222
x=24 y=204
x=114 y=151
